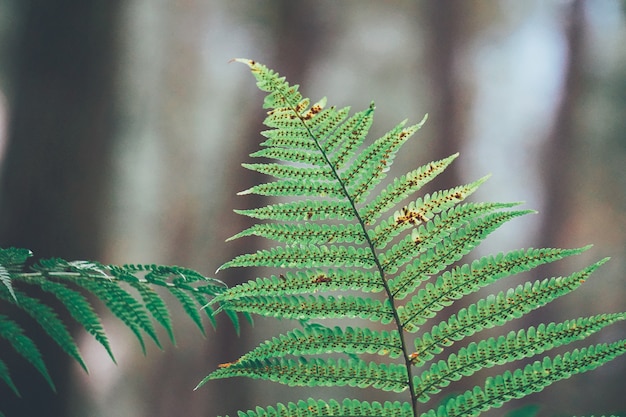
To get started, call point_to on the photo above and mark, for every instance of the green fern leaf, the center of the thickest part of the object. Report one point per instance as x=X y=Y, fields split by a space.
x=48 y=319
x=125 y=307
x=318 y=372
x=496 y=310
x=315 y=340
x=156 y=306
x=190 y=307
x=319 y=408
x=466 y=279
x=302 y=210
x=12 y=332
x=297 y=188
x=420 y=211
x=305 y=256
x=5 y=279
x=308 y=233
x=314 y=307
x=402 y=187
x=80 y=309
x=4 y=373
x=294 y=172
x=304 y=283
x=505 y=349
x=447 y=252
x=532 y=378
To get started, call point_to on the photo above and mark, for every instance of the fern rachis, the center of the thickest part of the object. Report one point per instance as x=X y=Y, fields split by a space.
x=334 y=234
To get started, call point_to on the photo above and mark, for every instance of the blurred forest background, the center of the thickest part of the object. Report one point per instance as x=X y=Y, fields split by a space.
x=122 y=130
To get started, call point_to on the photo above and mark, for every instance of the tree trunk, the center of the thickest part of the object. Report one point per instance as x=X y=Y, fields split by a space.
x=54 y=175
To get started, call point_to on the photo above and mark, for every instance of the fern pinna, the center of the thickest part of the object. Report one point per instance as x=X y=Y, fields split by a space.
x=112 y=285
x=339 y=244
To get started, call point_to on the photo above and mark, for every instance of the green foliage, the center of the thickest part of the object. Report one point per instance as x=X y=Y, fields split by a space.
x=128 y=291
x=354 y=247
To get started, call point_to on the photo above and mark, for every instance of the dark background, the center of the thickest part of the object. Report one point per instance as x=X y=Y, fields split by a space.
x=122 y=130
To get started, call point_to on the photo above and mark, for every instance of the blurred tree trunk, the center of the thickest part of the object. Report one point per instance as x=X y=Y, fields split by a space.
x=569 y=194
x=52 y=195
x=559 y=154
x=447 y=32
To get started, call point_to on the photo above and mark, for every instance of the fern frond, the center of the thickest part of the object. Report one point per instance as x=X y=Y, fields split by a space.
x=125 y=307
x=532 y=378
x=421 y=211
x=305 y=256
x=4 y=373
x=318 y=372
x=23 y=345
x=505 y=349
x=70 y=282
x=450 y=250
x=302 y=210
x=466 y=279
x=304 y=283
x=5 y=279
x=287 y=171
x=402 y=187
x=334 y=242
x=320 y=408
x=372 y=164
x=307 y=233
x=156 y=306
x=301 y=187
x=341 y=145
x=315 y=340
x=50 y=322
x=80 y=309
x=496 y=310
x=314 y=307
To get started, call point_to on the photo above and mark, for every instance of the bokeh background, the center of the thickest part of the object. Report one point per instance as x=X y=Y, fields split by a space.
x=122 y=130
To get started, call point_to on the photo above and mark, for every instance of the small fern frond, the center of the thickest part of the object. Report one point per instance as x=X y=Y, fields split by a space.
x=420 y=211
x=338 y=235
x=112 y=285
